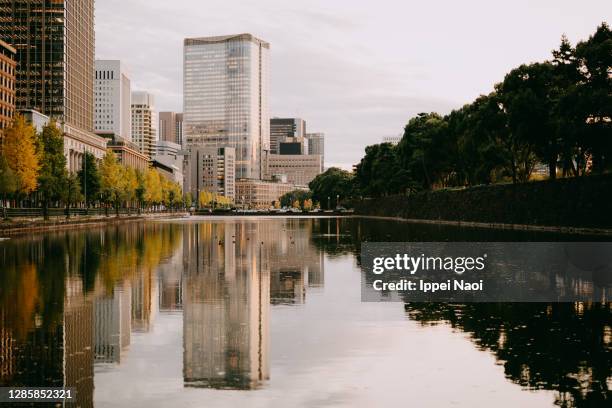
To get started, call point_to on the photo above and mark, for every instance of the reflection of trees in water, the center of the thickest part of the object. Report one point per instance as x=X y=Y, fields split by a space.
x=47 y=283
x=334 y=236
x=563 y=347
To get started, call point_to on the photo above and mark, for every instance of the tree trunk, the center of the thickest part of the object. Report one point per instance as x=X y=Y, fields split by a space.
x=552 y=169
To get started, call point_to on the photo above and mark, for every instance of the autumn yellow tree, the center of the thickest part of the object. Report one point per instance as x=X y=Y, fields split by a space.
x=111 y=180
x=205 y=198
x=153 y=193
x=130 y=186
x=20 y=150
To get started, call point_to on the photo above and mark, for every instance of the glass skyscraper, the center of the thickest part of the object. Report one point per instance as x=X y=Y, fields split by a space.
x=55 y=43
x=225 y=98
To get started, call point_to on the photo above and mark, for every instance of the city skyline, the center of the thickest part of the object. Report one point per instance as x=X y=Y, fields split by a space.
x=317 y=54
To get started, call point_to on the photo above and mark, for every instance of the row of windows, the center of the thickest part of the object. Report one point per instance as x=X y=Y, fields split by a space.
x=105 y=74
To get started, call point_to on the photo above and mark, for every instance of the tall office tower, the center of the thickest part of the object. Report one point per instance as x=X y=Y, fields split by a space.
x=7 y=85
x=144 y=122
x=179 y=128
x=171 y=127
x=55 y=57
x=225 y=98
x=282 y=128
x=316 y=145
x=113 y=100
x=226 y=306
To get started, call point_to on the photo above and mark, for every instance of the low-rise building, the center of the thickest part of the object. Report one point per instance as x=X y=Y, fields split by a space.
x=300 y=169
x=171 y=167
x=166 y=148
x=77 y=142
x=261 y=193
x=128 y=154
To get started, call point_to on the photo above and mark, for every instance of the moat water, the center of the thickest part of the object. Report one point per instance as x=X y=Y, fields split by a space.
x=267 y=312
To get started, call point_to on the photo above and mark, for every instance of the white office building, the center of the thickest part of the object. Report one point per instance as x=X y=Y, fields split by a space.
x=144 y=122
x=113 y=96
x=225 y=98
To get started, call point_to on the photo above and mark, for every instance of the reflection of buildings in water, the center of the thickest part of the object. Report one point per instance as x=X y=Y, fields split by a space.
x=7 y=351
x=170 y=283
x=78 y=343
x=226 y=304
x=143 y=307
x=294 y=262
x=112 y=322
x=59 y=354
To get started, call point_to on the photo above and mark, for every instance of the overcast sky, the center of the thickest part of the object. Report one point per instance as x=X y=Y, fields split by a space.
x=354 y=69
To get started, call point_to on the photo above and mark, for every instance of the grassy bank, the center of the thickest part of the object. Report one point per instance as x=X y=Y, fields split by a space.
x=584 y=202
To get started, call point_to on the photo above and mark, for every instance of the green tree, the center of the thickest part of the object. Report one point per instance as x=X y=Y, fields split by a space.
x=8 y=183
x=300 y=196
x=89 y=179
x=422 y=150
x=380 y=172
x=53 y=173
x=71 y=192
x=594 y=102
x=332 y=185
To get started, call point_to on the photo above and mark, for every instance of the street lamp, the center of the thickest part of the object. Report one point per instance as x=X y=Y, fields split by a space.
x=328 y=203
x=337 y=200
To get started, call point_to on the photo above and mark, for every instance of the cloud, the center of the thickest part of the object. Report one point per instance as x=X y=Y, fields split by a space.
x=356 y=70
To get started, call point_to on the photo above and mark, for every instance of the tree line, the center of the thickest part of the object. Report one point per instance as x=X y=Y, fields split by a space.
x=33 y=172
x=556 y=115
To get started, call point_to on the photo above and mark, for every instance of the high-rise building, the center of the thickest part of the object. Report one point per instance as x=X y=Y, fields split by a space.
x=54 y=42
x=7 y=85
x=316 y=145
x=293 y=145
x=113 y=96
x=226 y=306
x=225 y=98
x=213 y=170
x=282 y=128
x=179 y=128
x=171 y=127
x=144 y=122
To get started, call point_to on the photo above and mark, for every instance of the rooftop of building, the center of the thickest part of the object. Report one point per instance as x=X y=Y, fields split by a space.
x=226 y=38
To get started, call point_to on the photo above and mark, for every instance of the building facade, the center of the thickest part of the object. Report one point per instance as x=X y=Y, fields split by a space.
x=282 y=128
x=316 y=145
x=213 y=170
x=293 y=145
x=144 y=122
x=261 y=194
x=299 y=169
x=113 y=96
x=54 y=43
x=225 y=98
x=171 y=127
x=165 y=148
x=7 y=85
x=128 y=154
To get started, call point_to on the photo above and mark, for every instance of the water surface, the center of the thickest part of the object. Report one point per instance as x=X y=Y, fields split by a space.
x=266 y=312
